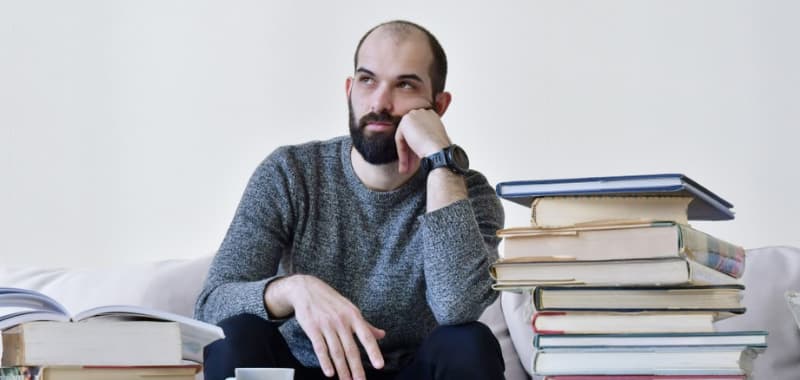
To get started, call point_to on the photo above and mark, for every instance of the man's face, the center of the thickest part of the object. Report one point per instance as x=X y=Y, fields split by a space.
x=392 y=77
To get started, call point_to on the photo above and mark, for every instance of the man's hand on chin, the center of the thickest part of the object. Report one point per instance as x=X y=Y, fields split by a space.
x=420 y=134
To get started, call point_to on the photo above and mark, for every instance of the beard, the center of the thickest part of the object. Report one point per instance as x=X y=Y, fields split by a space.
x=376 y=148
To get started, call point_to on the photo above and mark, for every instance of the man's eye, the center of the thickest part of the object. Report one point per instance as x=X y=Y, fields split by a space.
x=405 y=85
x=366 y=80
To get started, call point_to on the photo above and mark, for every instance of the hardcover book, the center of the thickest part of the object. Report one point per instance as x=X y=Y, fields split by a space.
x=624 y=241
x=19 y=306
x=705 y=205
x=556 y=212
x=169 y=372
x=646 y=377
x=710 y=298
x=526 y=273
x=599 y=322
x=709 y=360
x=94 y=342
x=753 y=339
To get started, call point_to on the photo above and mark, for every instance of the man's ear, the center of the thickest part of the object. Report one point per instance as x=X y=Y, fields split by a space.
x=442 y=101
x=348 y=85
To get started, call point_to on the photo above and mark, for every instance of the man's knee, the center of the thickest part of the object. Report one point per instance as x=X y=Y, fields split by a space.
x=467 y=351
x=246 y=344
x=472 y=340
x=244 y=328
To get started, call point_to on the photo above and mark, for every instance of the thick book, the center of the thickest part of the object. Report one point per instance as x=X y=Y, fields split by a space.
x=754 y=339
x=93 y=342
x=555 y=212
x=168 y=372
x=531 y=272
x=709 y=298
x=18 y=306
x=600 y=322
x=705 y=205
x=646 y=377
x=697 y=360
x=624 y=241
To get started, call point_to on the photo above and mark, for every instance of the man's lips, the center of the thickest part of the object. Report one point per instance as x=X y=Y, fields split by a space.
x=377 y=126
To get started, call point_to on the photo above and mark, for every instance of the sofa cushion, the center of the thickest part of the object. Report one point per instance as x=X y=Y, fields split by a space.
x=171 y=285
x=494 y=318
x=769 y=273
x=517 y=310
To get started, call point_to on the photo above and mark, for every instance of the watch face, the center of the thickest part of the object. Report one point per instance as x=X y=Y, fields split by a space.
x=459 y=159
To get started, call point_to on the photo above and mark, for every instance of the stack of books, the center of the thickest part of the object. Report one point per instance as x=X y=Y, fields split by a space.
x=622 y=286
x=42 y=340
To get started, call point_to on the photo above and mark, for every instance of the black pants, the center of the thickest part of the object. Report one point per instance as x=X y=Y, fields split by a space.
x=468 y=351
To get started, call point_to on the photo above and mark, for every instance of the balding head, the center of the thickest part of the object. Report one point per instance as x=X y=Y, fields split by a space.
x=401 y=30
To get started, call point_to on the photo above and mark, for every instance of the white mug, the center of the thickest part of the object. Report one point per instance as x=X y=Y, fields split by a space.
x=264 y=374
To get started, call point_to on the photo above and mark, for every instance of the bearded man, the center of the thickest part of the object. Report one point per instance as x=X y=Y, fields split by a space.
x=364 y=256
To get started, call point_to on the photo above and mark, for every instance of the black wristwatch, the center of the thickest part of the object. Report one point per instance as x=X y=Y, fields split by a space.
x=452 y=157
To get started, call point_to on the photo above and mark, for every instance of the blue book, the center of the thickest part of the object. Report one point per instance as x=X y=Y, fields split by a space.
x=705 y=205
x=753 y=339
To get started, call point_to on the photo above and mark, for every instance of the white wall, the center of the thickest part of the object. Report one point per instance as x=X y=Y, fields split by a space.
x=129 y=129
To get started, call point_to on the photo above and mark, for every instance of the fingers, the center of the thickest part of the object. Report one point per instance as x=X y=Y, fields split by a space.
x=420 y=133
x=403 y=152
x=368 y=335
x=339 y=347
x=352 y=355
x=376 y=332
x=332 y=323
x=337 y=354
x=321 y=350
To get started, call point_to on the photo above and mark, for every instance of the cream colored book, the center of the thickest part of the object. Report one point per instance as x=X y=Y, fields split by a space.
x=102 y=342
x=529 y=273
x=617 y=242
x=551 y=212
x=613 y=322
x=186 y=371
x=20 y=306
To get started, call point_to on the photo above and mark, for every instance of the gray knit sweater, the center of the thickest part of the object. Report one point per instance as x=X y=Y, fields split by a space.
x=306 y=211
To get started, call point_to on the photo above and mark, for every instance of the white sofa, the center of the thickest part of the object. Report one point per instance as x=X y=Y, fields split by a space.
x=173 y=285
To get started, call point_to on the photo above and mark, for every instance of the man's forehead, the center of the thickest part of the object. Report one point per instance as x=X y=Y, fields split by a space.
x=399 y=49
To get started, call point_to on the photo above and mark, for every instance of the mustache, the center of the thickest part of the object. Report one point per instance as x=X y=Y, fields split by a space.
x=381 y=117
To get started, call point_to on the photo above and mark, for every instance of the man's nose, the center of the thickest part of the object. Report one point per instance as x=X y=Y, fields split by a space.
x=382 y=99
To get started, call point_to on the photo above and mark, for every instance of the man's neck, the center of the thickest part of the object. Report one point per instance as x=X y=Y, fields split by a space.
x=383 y=177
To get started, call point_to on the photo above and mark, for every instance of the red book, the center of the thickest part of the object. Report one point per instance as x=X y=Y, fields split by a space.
x=647 y=377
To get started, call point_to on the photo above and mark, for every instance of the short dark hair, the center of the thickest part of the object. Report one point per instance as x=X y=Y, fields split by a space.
x=438 y=69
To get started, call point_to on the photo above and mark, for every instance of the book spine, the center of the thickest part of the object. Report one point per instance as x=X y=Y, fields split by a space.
x=712 y=252
x=646 y=377
x=545 y=332
x=12 y=348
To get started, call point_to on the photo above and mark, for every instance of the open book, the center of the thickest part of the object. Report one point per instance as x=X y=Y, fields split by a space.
x=22 y=305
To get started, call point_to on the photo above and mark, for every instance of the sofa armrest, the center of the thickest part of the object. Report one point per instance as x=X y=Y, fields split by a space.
x=769 y=273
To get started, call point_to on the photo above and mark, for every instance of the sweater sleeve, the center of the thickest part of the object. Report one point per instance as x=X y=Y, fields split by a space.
x=460 y=244
x=249 y=256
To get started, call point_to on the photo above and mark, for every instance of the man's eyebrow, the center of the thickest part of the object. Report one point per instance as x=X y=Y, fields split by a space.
x=365 y=71
x=413 y=77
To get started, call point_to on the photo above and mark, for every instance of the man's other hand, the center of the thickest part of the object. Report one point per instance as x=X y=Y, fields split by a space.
x=330 y=320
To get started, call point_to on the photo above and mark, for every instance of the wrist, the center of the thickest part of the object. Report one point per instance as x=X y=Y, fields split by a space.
x=434 y=147
x=452 y=157
x=277 y=297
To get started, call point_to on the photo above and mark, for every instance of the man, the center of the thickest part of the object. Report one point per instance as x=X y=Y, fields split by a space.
x=364 y=256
